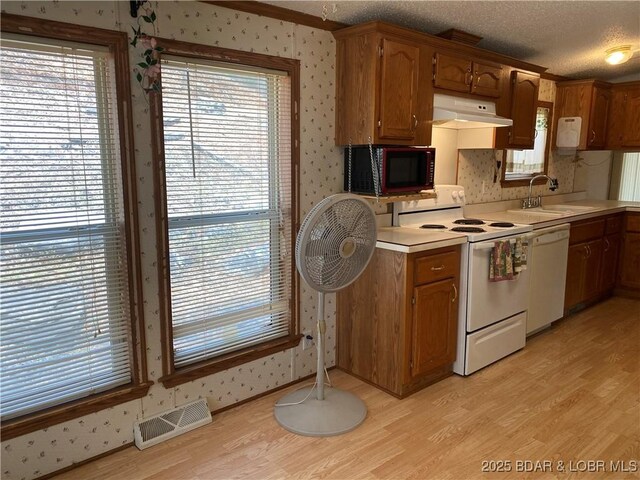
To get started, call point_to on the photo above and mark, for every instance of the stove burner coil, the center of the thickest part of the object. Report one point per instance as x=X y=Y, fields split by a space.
x=502 y=224
x=468 y=221
x=468 y=229
x=432 y=225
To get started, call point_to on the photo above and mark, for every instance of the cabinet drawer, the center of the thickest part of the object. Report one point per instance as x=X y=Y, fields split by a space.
x=633 y=222
x=582 y=232
x=436 y=267
x=613 y=225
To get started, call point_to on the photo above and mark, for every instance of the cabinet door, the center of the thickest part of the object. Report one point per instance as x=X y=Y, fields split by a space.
x=616 y=121
x=575 y=275
x=574 y=100
x=591 y=274
x=524 y=100
x=434 y=326
x=452 y=73
x=609 y=269
x=631 y=135
x=630 y=263
x=487 y=80
x=398 y=90
x=598 y=117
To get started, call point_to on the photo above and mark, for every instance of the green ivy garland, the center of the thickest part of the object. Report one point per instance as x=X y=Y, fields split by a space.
x=149 y=76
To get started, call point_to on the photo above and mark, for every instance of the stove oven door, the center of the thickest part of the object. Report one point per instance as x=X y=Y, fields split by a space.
x=490 y=302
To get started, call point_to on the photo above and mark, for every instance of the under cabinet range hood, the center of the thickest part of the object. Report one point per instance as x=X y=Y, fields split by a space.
x=461 y=113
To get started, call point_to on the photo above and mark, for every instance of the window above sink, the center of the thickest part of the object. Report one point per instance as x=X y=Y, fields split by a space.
x=520 y=166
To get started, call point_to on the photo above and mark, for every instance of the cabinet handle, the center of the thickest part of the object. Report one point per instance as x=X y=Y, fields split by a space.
x=415 y=122
x=455 y=293
x=607 y=245
x=588 y=250
x=437 y=269
x=468 y=78
x=593 y=136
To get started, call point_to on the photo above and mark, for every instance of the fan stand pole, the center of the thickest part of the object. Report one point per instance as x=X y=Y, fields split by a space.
x=333 y=412
x=322 y=327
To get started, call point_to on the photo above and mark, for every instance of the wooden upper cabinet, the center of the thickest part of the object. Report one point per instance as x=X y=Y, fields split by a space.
x=383 y=89
x=623 y=121
x=464 y=75
x=524 y=101
x=631 y=135
x=520 y=104
x=616 y=120
x=386 y=76
x=487 y=80
x=452 y=73
x=589 y=100
x=598 y=117
x=398 y=90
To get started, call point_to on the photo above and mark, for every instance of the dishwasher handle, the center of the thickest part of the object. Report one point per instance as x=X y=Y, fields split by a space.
x=548 y=238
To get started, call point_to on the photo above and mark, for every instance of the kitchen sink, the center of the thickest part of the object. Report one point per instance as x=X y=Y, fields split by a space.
x=568 y=208
x=539 y=212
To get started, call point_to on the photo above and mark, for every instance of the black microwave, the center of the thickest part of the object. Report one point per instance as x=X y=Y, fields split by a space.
x=397 y=169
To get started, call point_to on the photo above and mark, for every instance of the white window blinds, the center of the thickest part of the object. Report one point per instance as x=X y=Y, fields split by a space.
x=227 y=141
x=630 y=177
x=64 y=307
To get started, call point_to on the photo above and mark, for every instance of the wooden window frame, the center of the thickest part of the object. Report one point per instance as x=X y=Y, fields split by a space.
x=118 y=45
x=524 y=180
x=173 y=376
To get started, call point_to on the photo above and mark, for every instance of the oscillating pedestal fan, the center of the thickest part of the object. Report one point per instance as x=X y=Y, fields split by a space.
x=334 y=245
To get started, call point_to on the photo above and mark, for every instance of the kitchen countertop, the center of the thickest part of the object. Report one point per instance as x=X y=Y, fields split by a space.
x=410 y=240
x=542 y=219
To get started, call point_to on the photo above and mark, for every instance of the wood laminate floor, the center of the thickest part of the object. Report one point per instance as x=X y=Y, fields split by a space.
x=571 y=396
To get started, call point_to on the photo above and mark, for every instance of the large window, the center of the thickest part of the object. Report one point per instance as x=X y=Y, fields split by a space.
x=66 y=283
x=625 y=177
x=228 y=193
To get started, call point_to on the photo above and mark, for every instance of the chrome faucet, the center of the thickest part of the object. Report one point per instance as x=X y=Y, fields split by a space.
x=537 y=202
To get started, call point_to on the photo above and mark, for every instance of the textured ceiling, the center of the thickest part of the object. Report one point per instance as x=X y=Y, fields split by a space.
x=568 y=37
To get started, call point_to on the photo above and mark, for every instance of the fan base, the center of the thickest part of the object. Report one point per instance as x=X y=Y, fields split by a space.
x=339 y=412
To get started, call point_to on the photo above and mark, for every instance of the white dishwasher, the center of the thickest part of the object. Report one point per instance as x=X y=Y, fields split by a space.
x=548 y=252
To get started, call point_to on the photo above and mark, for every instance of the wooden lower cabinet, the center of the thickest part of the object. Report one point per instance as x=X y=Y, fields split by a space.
x=593 y=263
x=629 y=277
x=434 y=326
x=583 y=267
x=575 y=272
x=396 y=324
x=609 y=268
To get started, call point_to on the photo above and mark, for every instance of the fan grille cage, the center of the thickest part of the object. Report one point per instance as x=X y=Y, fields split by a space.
x=336 y=241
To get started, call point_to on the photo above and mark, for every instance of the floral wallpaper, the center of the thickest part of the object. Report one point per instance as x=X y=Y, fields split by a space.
x=476 y=168
x=51 y=449
x=60 y=446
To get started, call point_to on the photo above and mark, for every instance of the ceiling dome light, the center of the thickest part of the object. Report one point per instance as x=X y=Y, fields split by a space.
x=618 y=55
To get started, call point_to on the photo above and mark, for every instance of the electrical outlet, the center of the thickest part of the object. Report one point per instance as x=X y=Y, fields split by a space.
x=307 y=341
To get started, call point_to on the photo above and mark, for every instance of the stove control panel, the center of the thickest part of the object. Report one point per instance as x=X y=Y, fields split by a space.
x=447 y=196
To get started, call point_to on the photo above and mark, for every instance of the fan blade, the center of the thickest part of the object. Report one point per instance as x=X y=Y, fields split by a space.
x=318 y=248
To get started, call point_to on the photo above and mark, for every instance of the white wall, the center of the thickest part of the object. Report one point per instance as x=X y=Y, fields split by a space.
x=445 y=141
x=59 y=446
x=593 y=173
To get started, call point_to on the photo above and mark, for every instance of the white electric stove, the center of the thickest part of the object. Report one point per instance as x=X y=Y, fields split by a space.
x=492 y=315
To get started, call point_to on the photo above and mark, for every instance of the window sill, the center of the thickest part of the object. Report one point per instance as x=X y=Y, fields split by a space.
x=522 y=181
x=68 y=411
x=224 y=362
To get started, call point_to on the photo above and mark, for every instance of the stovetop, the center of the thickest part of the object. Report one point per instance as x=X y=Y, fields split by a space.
x=445 y=214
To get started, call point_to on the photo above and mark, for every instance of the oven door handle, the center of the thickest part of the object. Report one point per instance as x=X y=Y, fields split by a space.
x=483 y=245
x=491 y=244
